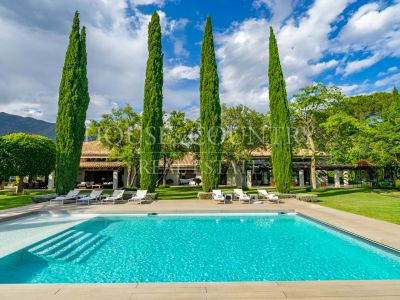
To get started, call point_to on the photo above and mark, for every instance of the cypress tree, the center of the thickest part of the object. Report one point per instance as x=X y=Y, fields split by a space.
x=210 y=113
x=280 y=123
x=73 y=101
x=152 y=117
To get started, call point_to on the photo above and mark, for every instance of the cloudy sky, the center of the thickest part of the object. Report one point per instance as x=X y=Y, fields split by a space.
x=353 y=44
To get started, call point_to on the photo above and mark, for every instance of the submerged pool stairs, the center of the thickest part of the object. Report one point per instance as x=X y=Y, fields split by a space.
x=71 y=245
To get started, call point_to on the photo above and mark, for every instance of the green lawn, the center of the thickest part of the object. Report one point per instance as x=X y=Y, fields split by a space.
x=187 y=192
x=377 y=204
x=15 y=201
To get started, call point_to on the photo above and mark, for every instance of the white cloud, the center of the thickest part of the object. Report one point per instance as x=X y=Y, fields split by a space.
x=147 y=2
x=183 y=72
x=371 y=29
x=242 y=52
x=389 y=81
x=280 y=9
x=349 y=89
x=370 y=24
x=31 y=63
x=388 y=71
x=358 y=65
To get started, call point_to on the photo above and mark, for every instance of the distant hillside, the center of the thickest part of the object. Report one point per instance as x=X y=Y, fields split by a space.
x=13 y=123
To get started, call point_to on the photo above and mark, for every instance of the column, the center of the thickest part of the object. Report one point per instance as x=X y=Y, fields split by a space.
x=337 y=179
x=301 y=178
x=50 y=183
x=318 y=177
x=115 y=179
x=346 y=177
x=248 y=178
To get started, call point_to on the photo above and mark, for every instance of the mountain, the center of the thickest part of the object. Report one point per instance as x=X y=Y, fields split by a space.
x=13 y=123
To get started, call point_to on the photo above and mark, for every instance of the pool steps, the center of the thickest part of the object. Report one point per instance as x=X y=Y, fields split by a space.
x=72 y=246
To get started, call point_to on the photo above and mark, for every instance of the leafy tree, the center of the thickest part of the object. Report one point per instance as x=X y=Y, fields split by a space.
x=245 y=130
x=120 y=132
x=152 y=118
x=210 y=113
x=308 y=110
x=73 y=102
x=280 y=123
x=176 y=140
x=23 y=155
x=364 y=128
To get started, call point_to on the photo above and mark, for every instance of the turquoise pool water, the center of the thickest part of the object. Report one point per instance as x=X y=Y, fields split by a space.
x=198 y=248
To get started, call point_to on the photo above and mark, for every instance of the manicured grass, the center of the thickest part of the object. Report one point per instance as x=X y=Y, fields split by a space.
x=187 y=192
x=374 y=203
x=378 y=204
x=19 y=200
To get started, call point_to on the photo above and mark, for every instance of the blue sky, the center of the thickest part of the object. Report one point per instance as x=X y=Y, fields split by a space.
x=352 y=44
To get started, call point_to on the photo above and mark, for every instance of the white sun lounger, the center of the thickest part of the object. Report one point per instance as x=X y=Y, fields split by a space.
x=114 y=197
x=139 y=197
x=94 y=196
x=270 y=196
x=72 y=195
x=218 y=197
x=243 y=197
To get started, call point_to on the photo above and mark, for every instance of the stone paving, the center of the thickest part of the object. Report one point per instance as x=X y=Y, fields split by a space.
x=378 y=231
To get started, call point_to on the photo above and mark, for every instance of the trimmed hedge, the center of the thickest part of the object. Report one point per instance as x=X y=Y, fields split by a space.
x=284 y=195
x=307 y=197
x=204 y=195
x=301 y=197
x=43 y=198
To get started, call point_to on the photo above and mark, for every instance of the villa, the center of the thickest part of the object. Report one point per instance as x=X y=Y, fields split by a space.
x=96 y=167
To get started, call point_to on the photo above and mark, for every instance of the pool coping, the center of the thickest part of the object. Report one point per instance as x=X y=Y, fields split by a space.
x=348 y=289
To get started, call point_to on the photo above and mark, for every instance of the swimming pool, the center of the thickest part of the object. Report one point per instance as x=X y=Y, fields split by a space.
x=162 y=248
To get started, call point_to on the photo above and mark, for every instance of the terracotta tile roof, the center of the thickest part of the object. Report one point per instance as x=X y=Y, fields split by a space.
x=100 y=165
x=188 y=160
x=267 y=152
x=94 y=149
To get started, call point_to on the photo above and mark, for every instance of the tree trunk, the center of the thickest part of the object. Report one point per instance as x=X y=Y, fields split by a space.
x=1 y=185
x=20 y=186
x=129 y=176
x=313 y=173
x=164 y=179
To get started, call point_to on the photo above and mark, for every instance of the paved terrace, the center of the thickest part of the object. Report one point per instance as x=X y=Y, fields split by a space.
x=378 y=231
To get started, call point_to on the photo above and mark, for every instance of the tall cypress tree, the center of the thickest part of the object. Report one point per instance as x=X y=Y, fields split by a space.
x=210 y=113
x=280 y=123
x=150 y=141
x=73 y=102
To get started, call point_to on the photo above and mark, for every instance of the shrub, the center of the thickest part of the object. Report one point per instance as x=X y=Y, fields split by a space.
x=130 y=189
x=169 y=181
x=285 y=195
x=164 y=186
x=43 y=198
x=204 y=195
x=11 y=194
x=197 y=180
x=307 y=197
x=385 y=184
x=397 y=184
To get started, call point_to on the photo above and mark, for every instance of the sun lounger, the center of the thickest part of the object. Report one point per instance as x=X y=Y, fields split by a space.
x=139 y=197
x=72 y=195
x=114 y=197
x=243 y=197
x=94 y=196
x=270 y=196
x=218 y=197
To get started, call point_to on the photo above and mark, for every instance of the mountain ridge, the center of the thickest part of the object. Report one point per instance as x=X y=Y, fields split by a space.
x=10 y=123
